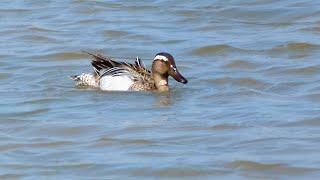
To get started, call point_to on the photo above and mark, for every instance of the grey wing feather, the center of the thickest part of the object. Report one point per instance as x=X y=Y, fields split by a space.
x=106 y=66
x=115 y=71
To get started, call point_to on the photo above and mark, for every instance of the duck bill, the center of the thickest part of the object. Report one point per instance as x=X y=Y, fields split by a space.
x=178 y=77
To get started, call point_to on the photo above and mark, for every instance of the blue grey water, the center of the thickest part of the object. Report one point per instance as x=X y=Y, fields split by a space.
x=250 y=110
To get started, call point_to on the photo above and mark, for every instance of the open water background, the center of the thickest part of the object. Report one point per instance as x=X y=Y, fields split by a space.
x=250 y=110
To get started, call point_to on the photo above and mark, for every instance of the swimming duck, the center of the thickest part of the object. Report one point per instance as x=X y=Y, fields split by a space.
x=111 y=75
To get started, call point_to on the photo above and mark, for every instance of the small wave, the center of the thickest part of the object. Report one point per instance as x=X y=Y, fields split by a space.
x=15 y=121
x=37 y=29
x=15 y=10
x=312 y=29
x=250 y=165
x=114 y=33
x=240 y=64
x=36 y=38
x=39 y=101
x=309 y=70
x=210 y=50
x=243 y=82
x=311 y=122
x=125 y=141
x=11 y=176
x=314 y=97
x=295 y=47
x=175 y=172
x=226 y=127
x=187 y=13
x=28 y=113
x=35 y=145
x=140 y=8
x=270 y=167
x=5 y=75
x=66 y=56
x=88 y=22
x=176 y=41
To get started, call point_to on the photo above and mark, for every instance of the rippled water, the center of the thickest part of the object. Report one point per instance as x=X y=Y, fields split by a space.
x=249 y=111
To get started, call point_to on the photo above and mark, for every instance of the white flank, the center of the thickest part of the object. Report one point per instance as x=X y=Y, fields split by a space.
x=160 y=57
x=115 y=83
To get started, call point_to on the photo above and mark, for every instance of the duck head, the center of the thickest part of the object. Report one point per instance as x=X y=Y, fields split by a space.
x=163 y=66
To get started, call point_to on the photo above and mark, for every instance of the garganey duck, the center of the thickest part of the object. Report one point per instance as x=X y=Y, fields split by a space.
x=113 y=75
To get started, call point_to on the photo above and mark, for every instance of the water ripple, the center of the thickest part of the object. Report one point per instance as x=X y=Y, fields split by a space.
x=269 y=168
x=213 y=49
x=249 y=111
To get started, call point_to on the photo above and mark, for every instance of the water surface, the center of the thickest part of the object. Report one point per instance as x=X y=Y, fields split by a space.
x=249 y=111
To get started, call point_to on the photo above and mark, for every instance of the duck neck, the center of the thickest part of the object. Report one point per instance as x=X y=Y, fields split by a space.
x=161 y=82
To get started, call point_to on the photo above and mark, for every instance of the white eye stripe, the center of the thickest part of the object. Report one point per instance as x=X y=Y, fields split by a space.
x=160 y=57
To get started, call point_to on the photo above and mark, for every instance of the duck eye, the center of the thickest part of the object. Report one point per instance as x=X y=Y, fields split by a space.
x=174 y=69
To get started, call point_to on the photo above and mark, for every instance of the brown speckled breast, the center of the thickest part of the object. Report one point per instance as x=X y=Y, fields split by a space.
x=142 y=87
